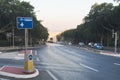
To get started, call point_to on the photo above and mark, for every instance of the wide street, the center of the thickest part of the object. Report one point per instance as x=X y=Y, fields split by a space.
x=61 y=62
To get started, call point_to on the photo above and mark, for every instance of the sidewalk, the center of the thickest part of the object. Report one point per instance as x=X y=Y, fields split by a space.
x=11 y=48
x=16 y=48
x=108 y=52
x=8 y=48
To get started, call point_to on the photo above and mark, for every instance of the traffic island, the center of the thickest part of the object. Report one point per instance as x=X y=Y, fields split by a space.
x=17 y=72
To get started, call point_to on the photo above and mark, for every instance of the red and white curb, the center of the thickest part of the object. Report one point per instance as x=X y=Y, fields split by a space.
x=36 y=73
x=110 y=54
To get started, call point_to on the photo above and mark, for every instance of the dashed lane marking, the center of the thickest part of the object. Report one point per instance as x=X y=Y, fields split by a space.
x=38 y=59
x=53 y=76
x=36 y=53
x=4 y=79
x=89 y=67
x=117 y=64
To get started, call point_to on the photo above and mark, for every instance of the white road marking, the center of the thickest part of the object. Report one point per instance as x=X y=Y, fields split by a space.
x=2 y=68
x=117 y=64
x=4 y=79
x=38 y=59
x=89 y=67
x=54 y=44
x=59 y=65
x=81 y=63
x=36 y=53
x=18 y=58
x=53 y=76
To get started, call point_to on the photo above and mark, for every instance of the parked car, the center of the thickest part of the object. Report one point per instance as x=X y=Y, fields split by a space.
x=70 y=43
x=91 y=44
x=98 y=46
x=81 y=44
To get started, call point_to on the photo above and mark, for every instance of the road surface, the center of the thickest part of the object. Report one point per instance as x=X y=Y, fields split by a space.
x=60 y=62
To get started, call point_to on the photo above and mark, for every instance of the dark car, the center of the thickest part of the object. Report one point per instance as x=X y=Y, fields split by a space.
x=98 y=46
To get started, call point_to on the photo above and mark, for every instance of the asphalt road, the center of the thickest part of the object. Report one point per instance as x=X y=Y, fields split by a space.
x=60 y=62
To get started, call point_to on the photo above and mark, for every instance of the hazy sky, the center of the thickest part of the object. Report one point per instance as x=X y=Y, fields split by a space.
x=59 y=15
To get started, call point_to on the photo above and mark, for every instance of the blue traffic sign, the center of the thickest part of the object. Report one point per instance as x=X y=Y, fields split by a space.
x=24 y=22
x=30 y=57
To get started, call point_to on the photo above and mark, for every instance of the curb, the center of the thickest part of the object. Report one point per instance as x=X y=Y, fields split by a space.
x=110 y=54
x=107 y=53
x=19 y=75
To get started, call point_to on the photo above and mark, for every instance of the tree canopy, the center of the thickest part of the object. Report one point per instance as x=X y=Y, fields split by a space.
x=116 y=0
x=10 y=10
x=98 y=25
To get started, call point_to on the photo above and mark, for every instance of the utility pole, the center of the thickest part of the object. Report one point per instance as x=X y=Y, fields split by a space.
x=115 y=34
x=116 y=38
x=13 y=37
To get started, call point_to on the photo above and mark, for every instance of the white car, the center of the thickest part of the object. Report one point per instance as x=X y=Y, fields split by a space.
x=81 y=43
x=91 y=44
x=69 y=43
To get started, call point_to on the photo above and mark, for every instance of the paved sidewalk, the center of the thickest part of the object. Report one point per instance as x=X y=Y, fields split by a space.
x=16 y=48
x=107 y=51
x=8 y=48
x=104 y=52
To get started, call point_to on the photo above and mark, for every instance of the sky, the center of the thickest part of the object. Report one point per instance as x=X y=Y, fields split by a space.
x=60 y=15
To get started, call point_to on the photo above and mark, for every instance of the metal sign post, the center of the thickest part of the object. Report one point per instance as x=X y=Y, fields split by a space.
x=26 y=23
x=26 y=39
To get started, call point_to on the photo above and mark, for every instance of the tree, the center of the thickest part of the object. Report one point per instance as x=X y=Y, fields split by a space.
x=116 y=0
x=10 y=10
x=59 y=37
x=98 y=25
x=100 y=16
x=69 y=35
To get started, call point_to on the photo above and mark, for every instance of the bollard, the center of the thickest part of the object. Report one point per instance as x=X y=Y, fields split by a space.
x=28 y=62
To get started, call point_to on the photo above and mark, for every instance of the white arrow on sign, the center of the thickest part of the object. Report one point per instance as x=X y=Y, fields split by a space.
x=22 y=24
